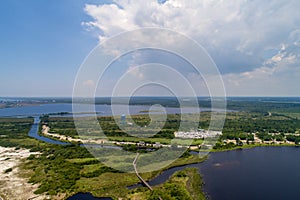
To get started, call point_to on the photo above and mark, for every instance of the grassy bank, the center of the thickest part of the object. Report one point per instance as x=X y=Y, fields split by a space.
x=253 y=146
x=184 y=185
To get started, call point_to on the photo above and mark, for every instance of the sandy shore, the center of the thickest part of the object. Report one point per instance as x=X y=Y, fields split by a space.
x=45 y=131
x=12 y=184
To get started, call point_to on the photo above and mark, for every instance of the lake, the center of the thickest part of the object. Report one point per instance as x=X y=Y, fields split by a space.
x=266 y=173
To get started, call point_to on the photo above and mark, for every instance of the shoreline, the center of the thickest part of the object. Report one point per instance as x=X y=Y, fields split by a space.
x=252 y=146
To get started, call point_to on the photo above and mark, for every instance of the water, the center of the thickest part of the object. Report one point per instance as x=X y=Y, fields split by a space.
x=102 y=110
x=87 y=196
x=260 y=173
x=35 y=110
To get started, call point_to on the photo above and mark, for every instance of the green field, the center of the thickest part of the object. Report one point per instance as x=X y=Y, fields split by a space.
x=14 y=132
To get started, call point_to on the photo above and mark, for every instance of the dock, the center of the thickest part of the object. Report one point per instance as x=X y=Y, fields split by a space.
x=137 y=174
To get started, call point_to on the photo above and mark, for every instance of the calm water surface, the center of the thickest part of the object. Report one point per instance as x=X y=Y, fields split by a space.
x=266 y=173
x=87 y=196
x=102 y=110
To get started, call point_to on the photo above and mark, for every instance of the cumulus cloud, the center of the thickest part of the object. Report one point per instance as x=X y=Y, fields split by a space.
x=247 y=39
x=279 y=75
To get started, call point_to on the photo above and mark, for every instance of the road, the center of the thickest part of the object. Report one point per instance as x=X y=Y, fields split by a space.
x=137 y=174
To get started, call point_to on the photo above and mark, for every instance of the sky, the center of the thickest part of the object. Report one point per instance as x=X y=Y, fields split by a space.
x=254 y=43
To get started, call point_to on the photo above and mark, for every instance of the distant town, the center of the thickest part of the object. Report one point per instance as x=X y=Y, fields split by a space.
x=200 y=134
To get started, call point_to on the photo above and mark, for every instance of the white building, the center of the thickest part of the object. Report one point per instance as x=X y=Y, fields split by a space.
x=197 y=134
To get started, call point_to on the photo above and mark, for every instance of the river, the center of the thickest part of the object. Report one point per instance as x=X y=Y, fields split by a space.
x=33 y=132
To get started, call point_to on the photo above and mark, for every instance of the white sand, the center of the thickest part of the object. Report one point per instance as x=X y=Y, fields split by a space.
x=12 y=185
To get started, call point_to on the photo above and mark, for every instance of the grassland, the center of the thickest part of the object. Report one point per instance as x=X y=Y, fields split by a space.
x=70 y=170
x=14 y=133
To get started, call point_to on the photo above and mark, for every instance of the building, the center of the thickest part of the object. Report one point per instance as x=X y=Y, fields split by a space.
x=197 y=134
x=123 y=119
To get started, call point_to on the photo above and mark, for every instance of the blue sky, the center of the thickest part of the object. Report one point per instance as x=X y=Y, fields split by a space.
x=255 y=44
x=42 y=45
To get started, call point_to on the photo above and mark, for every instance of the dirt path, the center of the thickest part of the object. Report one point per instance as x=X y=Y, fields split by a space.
x=12 y=184
x=45 y=131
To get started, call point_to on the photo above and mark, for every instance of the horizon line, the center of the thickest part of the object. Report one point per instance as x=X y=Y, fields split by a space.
x=229 y=96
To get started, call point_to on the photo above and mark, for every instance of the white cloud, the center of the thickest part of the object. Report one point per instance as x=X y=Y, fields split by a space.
x=89 y=83
x=238 y=34
x=278 y=76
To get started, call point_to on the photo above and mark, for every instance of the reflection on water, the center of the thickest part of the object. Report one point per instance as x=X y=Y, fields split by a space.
x=227 y=164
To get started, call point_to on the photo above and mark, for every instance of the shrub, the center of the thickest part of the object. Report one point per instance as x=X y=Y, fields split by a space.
x=8 y=170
